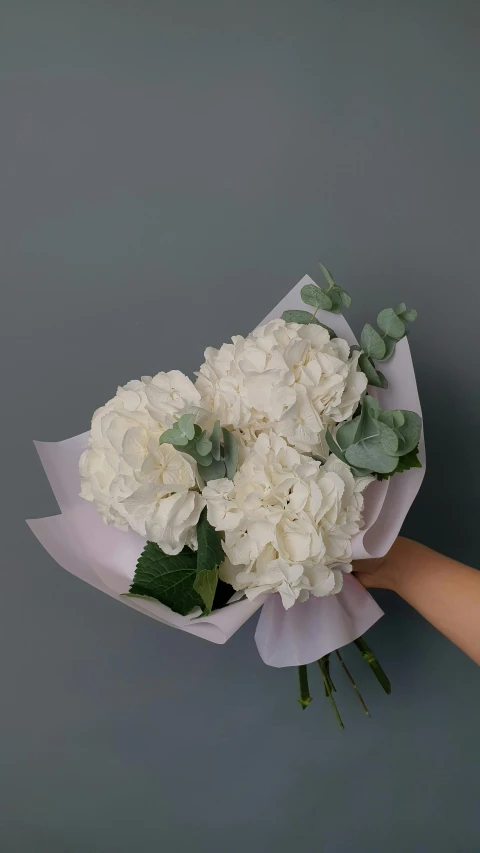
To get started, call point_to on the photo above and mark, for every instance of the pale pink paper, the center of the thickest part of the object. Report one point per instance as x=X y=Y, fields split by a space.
x=105 y=557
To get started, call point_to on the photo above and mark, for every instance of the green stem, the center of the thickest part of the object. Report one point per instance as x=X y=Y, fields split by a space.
x=305 y=697
x=329 y=687
x=314 y=314
x=373 y=663
x=349 y=676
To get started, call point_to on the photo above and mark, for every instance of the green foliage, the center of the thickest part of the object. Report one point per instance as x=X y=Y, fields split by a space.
x=331 y=298
x=374 y=376
x=213 y=459
x=378 y=442
x=305 y=318
x=371 y=342
x=410 y=460
x=209 y=557
x=183 y=581
x=167 y=578
x=381 y=347
x=215 y=440
x=391 y=324
x=230 y=450
x=312 y=295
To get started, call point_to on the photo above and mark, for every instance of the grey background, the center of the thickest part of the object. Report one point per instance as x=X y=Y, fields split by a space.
x=168 y=171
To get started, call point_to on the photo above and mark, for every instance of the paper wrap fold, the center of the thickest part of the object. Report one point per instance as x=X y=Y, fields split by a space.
x=105 y=557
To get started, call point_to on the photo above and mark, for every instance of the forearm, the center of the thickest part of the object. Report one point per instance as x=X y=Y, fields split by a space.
x=445 y=592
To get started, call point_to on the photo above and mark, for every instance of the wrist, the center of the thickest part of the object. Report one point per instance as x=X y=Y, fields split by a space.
x=397 y=567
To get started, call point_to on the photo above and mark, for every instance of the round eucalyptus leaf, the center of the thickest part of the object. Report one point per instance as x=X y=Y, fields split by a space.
x=409 y=432
x=345 y=435
x=312 y=295
x=179 y=439
x=305 y=318
x=394 y=419
x=186 y=425
x=372 y=343
x=336 y=300
x=333 y=446
x=214 y=471
x=391 y=324
x=400 y=309
x=203 y=445
x=388 y=438
x=346 y=298
x=371 y=405
x=410 y=315
x=370 y=453
x=390 y=344
x=169 y=436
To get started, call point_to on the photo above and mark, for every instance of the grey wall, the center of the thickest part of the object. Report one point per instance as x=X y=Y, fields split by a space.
x=168 y=171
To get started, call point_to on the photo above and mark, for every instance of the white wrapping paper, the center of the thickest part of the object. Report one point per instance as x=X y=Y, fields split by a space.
x=105 y=557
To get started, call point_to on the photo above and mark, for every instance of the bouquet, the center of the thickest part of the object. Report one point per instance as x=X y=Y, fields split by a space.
x=255 y=486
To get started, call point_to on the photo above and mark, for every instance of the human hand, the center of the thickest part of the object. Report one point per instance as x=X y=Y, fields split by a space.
x=388 y=572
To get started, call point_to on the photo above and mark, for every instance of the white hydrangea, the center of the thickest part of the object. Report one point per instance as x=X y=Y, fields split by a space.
x=285 y=377
x=288 y=521
x=132 y=480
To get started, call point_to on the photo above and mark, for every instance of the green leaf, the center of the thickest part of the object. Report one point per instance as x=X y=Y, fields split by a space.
x=210 y=552
x=346 y=298
x=370 y=453
x=409 y=432
x=410 y=460
x=391 y=324
x=388 y=438
x=169 y=579
x=374 y=376
x=214 y=471
x=390 y=344
x=171 y=436
x=215 y=439
x=210 y=555
x=327 y=275
x=372 y=343
x=205 y=584
x=230 y=449
x=203 y=445
x=401 y=307
x=305 y=318
x=346 y=433
x=335 y=449
x=312 y=295
x=410 y=315
x=333 y=446
x=394 y=418
x=336 y=300
x=186 y=425
x=190 y=448
x=371 y=408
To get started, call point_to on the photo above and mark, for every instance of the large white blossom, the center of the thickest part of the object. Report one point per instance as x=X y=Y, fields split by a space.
x=132 y=480
x=285 y=377
x=288 y=521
